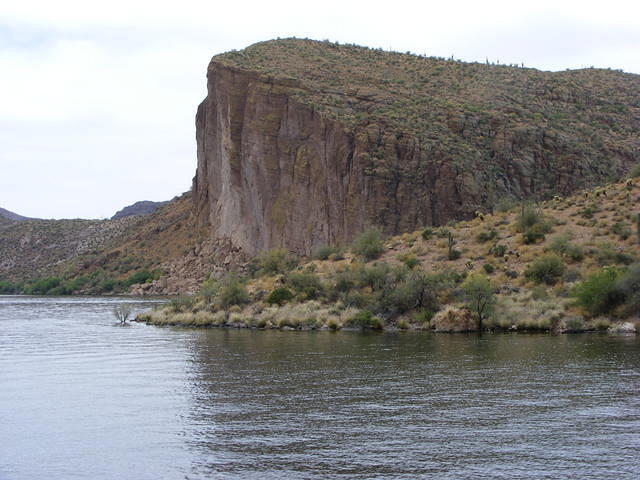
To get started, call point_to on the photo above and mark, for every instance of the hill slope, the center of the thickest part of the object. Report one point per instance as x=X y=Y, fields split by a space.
x=366 y=137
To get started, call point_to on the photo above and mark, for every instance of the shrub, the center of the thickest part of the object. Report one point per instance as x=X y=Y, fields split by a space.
x=411 y=261
x=232 y=292
x=587 y=212
x=181 y=304
x=279 y=296
x=305 y=283
x=607 y=255
x=344 y=281
x=276 y=261
x=486 y=235
x=7 y=287
x=599 y=292
x=47 y=286
x=141 y=276
x=531 y=217
x=498 y=250
x=488 y=268
x=479 y=296
x=621 y=229
x=209 y=289
x=635 y=171
x=629 y=285
x=365 y=319
x=326 y=251
x=546 y=269
x=374 y=276
x=561 y=245
x=533 y=235
x=427 y=233
x=369 y=244
x=505 y=204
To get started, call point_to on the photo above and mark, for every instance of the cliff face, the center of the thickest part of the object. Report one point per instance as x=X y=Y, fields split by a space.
x=285 y=161
x=273 y=172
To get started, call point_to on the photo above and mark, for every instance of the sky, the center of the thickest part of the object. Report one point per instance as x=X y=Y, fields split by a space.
x=98 y=99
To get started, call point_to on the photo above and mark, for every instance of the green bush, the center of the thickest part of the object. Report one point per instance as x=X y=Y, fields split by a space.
x=141 y=276
x=498 y=250
x=279 y=296
x=562 y=245
x=365 y=319
x=608 y=255
x=344 y=281
x=181 y=304
x=373 y=276
x=410 y=260
x=622 y=230
x=505 y=204
x=488 y=268
x=629 y=285
x=47 y=286
x=327 y=251
x=427 y=233
x=276 y=261
x=531 y=217
x=7 y=287
x=546 y=269
x=532 y=235
x=369 y=244
x=486 y=235
x=599 y=293
x=305 y=283
x=232 y=292
x=588 y=212
x=479 y=296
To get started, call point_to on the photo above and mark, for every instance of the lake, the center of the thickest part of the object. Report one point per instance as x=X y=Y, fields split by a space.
x=84 y=398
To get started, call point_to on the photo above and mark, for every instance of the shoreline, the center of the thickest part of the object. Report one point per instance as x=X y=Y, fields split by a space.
x=222 y=320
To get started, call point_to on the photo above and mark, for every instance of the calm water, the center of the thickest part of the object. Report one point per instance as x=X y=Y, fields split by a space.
x=81 y=397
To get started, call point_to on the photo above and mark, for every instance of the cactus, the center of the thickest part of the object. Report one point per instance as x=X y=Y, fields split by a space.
x=638 y=227
x=453 y=254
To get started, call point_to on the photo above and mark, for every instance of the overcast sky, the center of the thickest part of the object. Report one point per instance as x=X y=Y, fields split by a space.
x=97 y=99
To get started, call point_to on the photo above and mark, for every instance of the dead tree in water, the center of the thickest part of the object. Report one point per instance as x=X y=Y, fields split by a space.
x=122 y=312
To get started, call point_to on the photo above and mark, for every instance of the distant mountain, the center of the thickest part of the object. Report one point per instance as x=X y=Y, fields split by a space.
x=6 y=214
x=144 y=207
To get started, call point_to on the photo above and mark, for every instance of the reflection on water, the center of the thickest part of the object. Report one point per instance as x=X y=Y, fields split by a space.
x=83 y=398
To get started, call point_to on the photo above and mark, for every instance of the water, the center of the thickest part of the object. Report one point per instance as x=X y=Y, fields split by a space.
x=81 y=397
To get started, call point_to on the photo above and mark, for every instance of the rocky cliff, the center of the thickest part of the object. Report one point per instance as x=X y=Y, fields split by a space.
x=304 y=143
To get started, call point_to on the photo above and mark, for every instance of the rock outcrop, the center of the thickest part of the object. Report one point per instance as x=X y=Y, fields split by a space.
x=285 y=160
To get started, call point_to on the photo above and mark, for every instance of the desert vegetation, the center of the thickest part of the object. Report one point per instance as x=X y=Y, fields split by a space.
x=577 y=274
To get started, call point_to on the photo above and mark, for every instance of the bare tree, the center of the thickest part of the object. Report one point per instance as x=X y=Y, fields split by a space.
x=122 y=312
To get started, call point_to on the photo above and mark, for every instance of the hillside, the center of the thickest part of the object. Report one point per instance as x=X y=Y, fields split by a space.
x=10 y=216
x=162 y=253
x=368 y=137
x=567 y=264
x=143 y=207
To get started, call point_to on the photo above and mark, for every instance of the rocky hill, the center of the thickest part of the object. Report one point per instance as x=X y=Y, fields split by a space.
x=143 y=207
x=6 y=215
x=303 y=143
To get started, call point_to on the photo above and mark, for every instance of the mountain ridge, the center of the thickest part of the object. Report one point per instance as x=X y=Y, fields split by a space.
x=369 y=137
